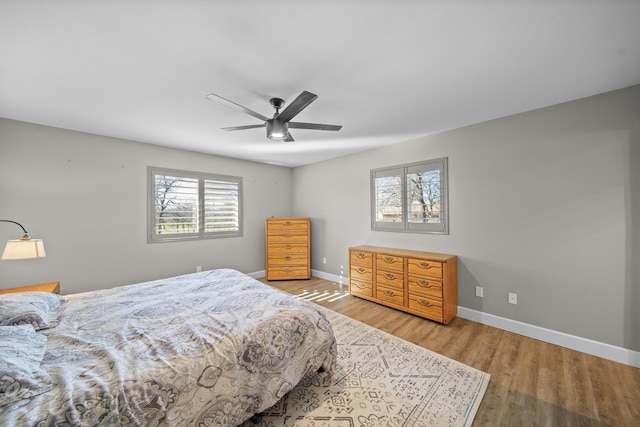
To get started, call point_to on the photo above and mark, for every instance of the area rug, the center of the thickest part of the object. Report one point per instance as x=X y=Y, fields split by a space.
x=380 y=380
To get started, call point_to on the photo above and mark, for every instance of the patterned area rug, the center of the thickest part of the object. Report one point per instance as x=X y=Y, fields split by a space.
x=380 y=380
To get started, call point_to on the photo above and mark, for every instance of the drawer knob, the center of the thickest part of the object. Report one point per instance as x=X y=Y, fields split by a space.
x=360 y=270
x=288 y=258
x=389 y=276
x=388 y=260
x=359 y=285
x=425 y=265
x=424 y=302
x=360 y=255
x=424 y=284
x=389 y=293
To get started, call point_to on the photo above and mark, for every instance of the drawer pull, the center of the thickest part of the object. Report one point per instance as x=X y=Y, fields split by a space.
x=424 y=302
x=425 y=265
x=424 y=284
x=288 y=258
x=389 y=293
x=359 y=285
x=360 y=270
x=288 y=246
x=287 y=223
x=361 y=255
x=388 y=260
x=288 y=270
x=389 y=276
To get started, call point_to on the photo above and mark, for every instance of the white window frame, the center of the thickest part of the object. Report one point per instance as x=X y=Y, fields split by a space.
x=403 y=224
x=153 y=237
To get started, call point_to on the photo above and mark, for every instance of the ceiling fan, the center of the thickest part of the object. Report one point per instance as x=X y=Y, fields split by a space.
x=278 y=126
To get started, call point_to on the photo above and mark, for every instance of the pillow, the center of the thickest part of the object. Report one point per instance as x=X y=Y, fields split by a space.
x=21 y=351
x=40 y=309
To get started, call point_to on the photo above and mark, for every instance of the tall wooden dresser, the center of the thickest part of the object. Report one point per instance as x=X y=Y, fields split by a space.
x=421 y=283
x=287 y=248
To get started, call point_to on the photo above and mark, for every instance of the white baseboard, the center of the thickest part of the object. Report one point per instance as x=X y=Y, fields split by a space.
x=257 y=274
x=341 y=280
x=315 y=273
x=585 y=345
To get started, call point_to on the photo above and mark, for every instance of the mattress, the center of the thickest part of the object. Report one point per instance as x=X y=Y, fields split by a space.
x=204 y=349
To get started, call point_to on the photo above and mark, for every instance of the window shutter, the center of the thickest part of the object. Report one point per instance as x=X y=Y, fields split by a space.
x=176 y=204
x=189 y=205
x=221 y=206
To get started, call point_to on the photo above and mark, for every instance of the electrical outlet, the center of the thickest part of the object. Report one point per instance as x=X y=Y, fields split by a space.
x=513 y=298
x=198 y=268
x=479 y=291
x=324 y=260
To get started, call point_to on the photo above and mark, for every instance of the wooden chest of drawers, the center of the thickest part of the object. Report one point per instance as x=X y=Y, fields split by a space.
x=421 y=283
x=287 y=248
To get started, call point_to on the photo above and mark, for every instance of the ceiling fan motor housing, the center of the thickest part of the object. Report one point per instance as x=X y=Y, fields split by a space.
x=277 y=129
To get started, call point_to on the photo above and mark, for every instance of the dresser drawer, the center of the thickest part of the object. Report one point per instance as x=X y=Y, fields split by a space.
x=361 y=288
x=390 y=295
x=288 y=226
x=361 y=273
x=429 y=306
x=387 y=278
x=288 y=273
x=288 y=238
x=287 y=259
x=288 y=249
x=362 y=258
x=388 y=262
x=425 y=267
x=425 y=286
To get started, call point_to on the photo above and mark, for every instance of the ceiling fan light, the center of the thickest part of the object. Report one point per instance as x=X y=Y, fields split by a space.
x=277 y=129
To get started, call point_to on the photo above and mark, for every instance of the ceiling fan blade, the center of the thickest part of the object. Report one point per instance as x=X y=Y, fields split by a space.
x=214 y=97
x=298 y=104
x=244 y=127
x=289 y=138
x=316 y=126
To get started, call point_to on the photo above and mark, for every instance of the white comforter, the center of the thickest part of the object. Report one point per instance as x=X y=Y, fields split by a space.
x=204 y=349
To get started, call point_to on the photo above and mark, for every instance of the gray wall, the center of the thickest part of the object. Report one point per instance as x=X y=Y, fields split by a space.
x=544 y=204
x=85 y=196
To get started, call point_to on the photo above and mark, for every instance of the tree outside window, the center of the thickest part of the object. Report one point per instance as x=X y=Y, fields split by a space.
x=189 y=205
x=410 y=198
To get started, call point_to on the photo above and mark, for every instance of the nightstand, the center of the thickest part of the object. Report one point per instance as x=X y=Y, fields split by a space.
x=53 y=287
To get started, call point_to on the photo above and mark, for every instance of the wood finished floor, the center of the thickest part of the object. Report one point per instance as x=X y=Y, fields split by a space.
x=532 y=383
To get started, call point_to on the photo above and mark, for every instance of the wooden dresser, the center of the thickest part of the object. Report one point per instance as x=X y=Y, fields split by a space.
x=53 y=287
x=421 y=283
x=287 y=248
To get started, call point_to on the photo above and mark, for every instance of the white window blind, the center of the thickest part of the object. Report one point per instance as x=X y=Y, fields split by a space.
x=188 y=205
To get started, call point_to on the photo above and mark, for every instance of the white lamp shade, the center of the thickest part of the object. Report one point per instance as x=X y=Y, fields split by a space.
x=23 y=249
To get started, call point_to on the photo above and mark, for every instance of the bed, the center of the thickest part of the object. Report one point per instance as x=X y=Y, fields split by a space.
x=204 y=349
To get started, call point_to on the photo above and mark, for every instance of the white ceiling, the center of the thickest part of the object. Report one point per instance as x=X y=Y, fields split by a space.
x=388 y=71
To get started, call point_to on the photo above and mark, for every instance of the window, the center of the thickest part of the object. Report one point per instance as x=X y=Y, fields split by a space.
x=410 y=198
x=190 y=205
